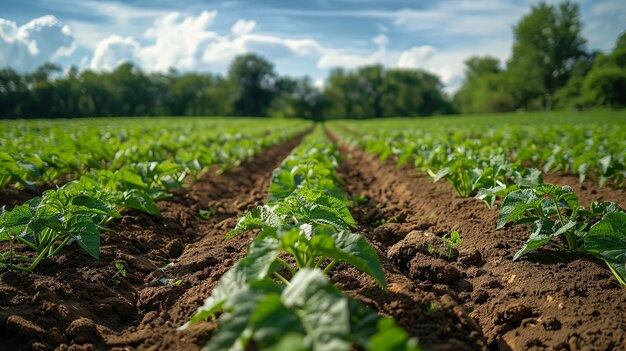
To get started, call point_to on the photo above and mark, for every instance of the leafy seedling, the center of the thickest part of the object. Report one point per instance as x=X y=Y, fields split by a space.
x=206 y=214
x=308 y=314
x=121 y=270
x=448 y=249
x=556 y=214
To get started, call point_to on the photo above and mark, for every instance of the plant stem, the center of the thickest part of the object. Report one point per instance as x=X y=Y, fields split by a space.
x=330 y=266
x=320 y=261
x=32 y=266
x=571 y=241
x=286 y=265
x=28 y=243
x=61 y=245
x=281 y=278
x=299 y=262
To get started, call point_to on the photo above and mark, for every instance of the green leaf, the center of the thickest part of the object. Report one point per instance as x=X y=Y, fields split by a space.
x=324 y=310
x=86 y=234
x=338 y=207
x=607 y=240
x=604 y=207
x=515 y=204
x=442 y=173
x=283 y=184
x=259 y=217
x=141 y=201
x=489 y=195
x=272 y=322
x=17 y=220
x=257 y=265
x=91 y=205
x=353 y=249
x=390 y=337
x=236 y=325
x=545 y=230
x=289 y=342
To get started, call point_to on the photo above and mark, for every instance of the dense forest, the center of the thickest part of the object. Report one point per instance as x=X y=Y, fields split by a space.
x=549 y=68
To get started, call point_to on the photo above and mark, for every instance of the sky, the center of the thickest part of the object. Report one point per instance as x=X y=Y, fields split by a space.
x=299 y=37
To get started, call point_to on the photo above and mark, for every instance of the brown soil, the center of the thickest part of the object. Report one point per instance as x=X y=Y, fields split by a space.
x=475 y=298
x=548 y=300
x=73 y=302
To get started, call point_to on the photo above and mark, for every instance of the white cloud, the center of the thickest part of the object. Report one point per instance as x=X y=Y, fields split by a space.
x=416 y=56
x=189 y=43
x=205 y=49
x=113 y=51
x=381 y=40
x=242 y=27
x=40 y=40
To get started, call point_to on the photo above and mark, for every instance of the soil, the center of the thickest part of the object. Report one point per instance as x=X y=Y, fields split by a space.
x=73 y=302
x=471 y=298
x=548 y=300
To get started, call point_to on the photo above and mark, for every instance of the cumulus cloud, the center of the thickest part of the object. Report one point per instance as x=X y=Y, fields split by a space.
x=113 y=51
x=189 y=43
x=40 y=40
x=242 y=27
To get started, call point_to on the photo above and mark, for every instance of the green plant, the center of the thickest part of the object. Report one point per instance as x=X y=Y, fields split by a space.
x=208 y=213
x=382 y=221
x=556 y=213
x=121 y=270
x=432 y=308
x=46 y=224
x=310 y=313
x=279 y=296
x=450 y=243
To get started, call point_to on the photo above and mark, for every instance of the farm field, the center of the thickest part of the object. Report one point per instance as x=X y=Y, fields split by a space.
x=487 y=232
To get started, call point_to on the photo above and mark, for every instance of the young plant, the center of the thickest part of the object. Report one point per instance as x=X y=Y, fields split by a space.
x=46 y=224
x=556 y=213
x=208 y=213
x=308 y=314
x=450 y=243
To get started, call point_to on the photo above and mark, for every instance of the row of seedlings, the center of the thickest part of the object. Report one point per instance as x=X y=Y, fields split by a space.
x=80 y=210
x=279 y=296
x=557 y=217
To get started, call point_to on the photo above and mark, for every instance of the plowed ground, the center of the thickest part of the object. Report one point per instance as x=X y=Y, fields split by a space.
x=477 y=300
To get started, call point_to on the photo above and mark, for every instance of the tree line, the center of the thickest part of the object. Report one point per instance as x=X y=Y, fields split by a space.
x=251 y=88
x=549 y=68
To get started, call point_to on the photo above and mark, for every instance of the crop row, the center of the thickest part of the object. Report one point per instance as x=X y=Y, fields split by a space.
x=488 y=169
x=279 y=296
x=38 y=152
x=459 y=150
x=80 y=210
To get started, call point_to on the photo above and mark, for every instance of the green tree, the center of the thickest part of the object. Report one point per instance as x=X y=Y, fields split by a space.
x=547 y=43
x=486 y=87
x=298 y=97
x=252 y=80
x=605 y=84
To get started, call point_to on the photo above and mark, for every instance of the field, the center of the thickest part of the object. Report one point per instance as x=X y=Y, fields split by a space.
x=486 y=232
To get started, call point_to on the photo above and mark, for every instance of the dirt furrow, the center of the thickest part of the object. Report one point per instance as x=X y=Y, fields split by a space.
x=549 y=300
x=171 y=265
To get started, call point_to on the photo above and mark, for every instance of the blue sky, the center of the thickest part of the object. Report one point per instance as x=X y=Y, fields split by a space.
x=300 y=37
